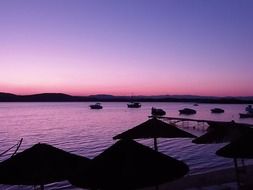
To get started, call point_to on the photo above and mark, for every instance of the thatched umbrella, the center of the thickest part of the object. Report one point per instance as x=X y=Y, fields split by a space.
x=222 y=132
x=240 y=148
x=154 y=128
x=41 y=164
x=130 y=165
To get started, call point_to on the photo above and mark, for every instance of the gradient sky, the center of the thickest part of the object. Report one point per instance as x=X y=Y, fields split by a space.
x=127 y=47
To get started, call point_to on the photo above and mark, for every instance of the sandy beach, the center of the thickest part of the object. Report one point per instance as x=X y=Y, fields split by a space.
x=224 y=179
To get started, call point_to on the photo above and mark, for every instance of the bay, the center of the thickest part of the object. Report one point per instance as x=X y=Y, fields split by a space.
x=76 y=128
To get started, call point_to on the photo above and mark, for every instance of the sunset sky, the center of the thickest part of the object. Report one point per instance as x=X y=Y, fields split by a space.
x=127 y=47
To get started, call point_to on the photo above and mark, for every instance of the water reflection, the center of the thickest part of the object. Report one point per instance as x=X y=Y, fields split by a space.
x=76 y=128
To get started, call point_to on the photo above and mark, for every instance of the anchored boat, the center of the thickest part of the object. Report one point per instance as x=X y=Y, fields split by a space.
x=96 y=106
x=134 y=105
x=187 y=111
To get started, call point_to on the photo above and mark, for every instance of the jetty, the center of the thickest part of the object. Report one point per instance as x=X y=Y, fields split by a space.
x=202 y=124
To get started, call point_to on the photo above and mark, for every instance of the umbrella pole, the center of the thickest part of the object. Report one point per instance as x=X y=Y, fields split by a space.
x=155 y=144
x=237 y=174
x=156 y=149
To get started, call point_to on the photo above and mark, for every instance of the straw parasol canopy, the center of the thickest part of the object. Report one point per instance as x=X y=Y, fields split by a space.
x=41 y=164
x=221 y=132
x=130 y=165
x=240 y=148
x=154 y=128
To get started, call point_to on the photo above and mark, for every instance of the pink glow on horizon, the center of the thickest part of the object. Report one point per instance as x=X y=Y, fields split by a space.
x=90 y=75
x=145 y=90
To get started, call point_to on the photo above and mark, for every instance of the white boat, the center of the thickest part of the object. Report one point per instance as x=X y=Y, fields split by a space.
x=96 y=106
x=246 y=115
x=134 y=105
x=249 y=109
x=187 y=111
x=157 y=112
x=217 y=110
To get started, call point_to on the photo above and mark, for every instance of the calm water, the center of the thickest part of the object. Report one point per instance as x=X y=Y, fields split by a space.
x=75 y=128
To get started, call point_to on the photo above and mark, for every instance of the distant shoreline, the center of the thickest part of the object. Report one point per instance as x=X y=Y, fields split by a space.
x=59 y=97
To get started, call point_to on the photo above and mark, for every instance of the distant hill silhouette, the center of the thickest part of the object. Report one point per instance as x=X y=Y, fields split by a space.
x=45 y=97
x=60 y=97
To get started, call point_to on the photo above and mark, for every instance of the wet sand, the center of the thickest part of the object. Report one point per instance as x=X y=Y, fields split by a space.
x=224 y=179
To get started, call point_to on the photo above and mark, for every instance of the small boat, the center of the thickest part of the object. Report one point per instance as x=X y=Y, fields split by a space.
x=217 y=110
x=96 y=106
x=249 y=109
x=157 y=112
x=246 y=115
x=195 y=105
x=187 y=111
x=134 y=105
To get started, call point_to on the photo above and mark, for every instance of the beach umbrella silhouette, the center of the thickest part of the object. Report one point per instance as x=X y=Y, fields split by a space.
x=39 y=165
x=240 y=148
x=154 y=128
x=130 y=165
x=222 y=132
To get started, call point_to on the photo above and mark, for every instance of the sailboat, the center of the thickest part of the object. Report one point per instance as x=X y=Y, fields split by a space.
x=133 y=104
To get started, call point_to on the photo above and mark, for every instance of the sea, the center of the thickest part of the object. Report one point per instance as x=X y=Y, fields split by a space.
x=76 y=128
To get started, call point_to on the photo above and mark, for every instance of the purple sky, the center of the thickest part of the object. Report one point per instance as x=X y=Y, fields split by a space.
x=127 y=47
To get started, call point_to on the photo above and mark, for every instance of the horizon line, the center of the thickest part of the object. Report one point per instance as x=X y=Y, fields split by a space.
x=99 y=94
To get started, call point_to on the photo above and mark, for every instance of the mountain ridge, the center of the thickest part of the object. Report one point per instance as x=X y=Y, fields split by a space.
x=61 y=97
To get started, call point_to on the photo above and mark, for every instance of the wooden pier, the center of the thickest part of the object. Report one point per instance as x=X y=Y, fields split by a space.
x=199 y=124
